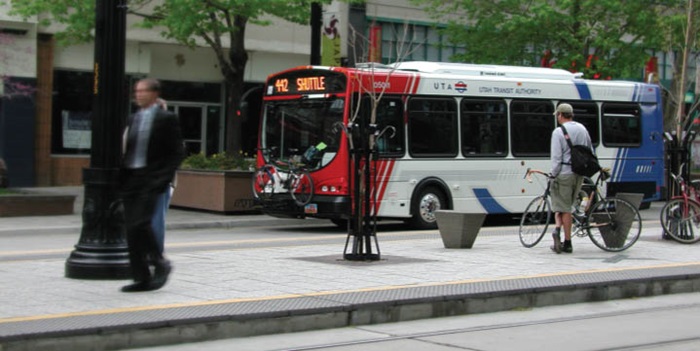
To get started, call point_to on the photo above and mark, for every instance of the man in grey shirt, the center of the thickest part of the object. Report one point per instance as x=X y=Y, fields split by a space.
x=566 y=184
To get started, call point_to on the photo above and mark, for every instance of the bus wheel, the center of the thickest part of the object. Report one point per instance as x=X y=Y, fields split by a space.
x=423 y=208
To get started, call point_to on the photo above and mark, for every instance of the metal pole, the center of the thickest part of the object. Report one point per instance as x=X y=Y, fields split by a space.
x=101 y=252
x=680 y=115
x=316 y=24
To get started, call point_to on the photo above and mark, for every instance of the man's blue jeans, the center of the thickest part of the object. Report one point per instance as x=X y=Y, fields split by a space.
x=158 y=220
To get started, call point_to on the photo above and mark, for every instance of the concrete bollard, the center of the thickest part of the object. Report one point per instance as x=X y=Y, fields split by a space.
x=625 y=216
x=458 y=230
x=634 y=198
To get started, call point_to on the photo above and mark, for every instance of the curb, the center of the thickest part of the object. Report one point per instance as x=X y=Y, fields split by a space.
x=213 y=224
x=166 y=325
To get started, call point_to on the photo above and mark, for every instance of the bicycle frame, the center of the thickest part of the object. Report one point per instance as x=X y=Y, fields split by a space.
x=613 y=218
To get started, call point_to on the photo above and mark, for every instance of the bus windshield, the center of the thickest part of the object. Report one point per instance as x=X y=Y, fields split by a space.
x=292 y=127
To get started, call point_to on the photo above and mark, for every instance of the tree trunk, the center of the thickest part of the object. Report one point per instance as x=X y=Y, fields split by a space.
x=671 y=100
x=234 y=76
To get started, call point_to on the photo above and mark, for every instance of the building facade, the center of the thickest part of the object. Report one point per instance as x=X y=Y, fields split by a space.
x=47 y=91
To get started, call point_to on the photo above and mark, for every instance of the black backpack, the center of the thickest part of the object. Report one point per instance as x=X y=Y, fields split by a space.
x=583 y=161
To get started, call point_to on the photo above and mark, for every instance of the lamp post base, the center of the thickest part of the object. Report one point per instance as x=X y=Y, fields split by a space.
x=102 y=251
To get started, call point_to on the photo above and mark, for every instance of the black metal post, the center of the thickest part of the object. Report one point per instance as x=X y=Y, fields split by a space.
x=362 y=228
x=316 y=24
x=101 y=252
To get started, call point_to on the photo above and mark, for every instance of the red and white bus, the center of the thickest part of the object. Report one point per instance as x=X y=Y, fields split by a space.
x=465 y=134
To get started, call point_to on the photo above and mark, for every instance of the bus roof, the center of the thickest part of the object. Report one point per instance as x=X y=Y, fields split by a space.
x=486 y=70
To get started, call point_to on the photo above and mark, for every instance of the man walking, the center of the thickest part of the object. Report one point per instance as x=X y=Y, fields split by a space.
x=566 y=184
x=153 y=151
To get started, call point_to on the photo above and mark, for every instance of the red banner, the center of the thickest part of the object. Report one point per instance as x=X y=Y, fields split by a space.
x=375 y=44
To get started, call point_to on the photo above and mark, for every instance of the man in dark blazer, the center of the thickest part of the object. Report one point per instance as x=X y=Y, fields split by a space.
x=153 y=151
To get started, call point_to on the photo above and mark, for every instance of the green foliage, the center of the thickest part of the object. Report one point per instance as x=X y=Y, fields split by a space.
x=518 y=32
x=181 y=20
x=220 y=161
x=5 y=191
x=78 y=15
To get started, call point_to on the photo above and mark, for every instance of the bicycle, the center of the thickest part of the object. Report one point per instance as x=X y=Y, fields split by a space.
x=612 y=224
x=680 y=216
x=291 y=176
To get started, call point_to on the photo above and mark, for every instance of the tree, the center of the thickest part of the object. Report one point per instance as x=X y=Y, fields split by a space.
x=220 y=24
x=604 y=37
x=680 y=33
x=364 y=133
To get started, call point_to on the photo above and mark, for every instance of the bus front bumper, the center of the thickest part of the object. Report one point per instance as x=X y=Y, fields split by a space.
x=330 y=207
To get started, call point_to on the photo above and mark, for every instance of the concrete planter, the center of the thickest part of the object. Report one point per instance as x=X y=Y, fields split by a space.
x=458 y=230
x=218 y=191
x=16 y=205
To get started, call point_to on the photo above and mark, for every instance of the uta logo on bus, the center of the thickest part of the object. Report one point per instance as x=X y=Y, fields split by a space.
x=460 y=87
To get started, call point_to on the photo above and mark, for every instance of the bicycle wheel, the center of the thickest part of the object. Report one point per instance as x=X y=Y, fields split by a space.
x=301 y=187
x=535 y=220
x=681 y=220
x=264 y=182
x=614 y=224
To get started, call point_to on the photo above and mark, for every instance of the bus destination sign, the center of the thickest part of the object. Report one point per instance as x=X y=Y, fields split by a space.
x=303 y=85
x=306 y=82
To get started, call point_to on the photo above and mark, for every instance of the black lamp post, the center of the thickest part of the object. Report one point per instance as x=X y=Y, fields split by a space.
x=101 y=252
x=316 y=24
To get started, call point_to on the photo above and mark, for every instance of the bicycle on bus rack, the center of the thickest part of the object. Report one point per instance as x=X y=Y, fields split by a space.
x=680 y=216
x=291 y=176
x=612 y=224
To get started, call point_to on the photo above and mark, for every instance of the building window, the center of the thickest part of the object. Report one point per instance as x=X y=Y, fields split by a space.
x=412 y=42
x=71 y=129
x=432 y=127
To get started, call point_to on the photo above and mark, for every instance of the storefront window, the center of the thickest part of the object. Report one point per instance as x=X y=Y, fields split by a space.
x=72 y=113
x=72 y=110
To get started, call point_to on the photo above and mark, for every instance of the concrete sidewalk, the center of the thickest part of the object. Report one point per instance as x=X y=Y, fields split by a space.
x=260 y=290
x=176 y=219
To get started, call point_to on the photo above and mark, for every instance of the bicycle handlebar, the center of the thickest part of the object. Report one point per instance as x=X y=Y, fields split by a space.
x=529 y=172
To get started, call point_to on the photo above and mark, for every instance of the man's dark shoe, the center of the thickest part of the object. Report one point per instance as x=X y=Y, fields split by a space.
x=144 y=285
x=567 y=249
x=557 y=242
x=160 y=276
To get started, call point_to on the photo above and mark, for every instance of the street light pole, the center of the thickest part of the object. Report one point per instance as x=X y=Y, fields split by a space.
x=102 y=252
x=316 y=24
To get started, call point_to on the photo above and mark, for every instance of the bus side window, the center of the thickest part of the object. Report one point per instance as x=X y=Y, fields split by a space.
x=621 y=125
x=484 y=128
x=390 y=114
x=531 y=124
x=432 y=133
